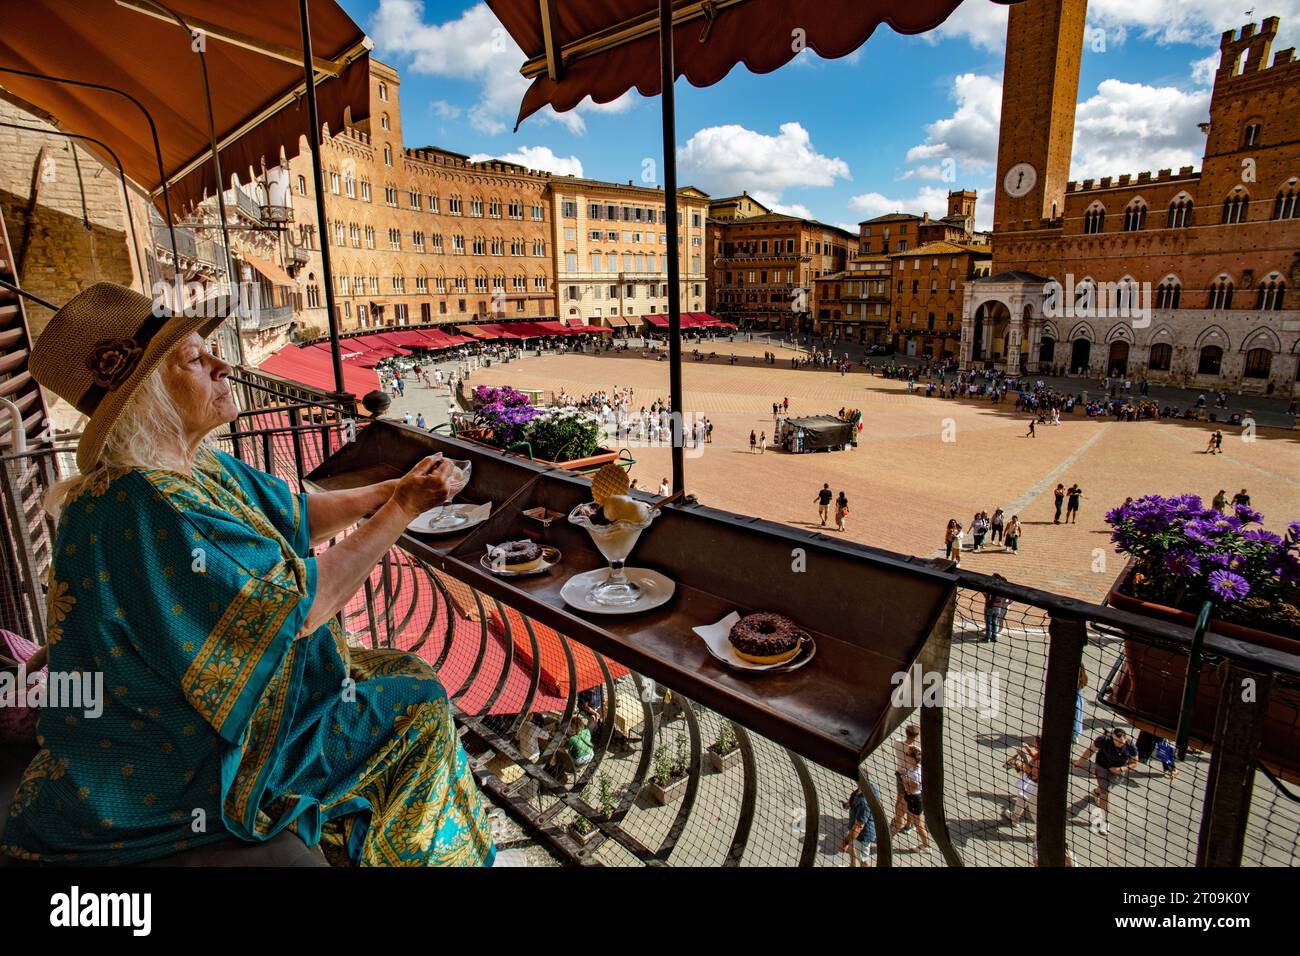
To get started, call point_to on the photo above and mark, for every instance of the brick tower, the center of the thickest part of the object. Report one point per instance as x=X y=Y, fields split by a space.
x=1040 y=86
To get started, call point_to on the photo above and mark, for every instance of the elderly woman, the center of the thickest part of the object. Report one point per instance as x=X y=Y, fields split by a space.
x=232 y=705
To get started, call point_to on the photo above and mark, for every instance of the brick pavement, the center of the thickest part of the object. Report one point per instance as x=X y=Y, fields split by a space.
x=904 y=480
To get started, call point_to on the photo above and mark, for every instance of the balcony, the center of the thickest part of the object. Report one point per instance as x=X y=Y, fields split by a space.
x=509 y=649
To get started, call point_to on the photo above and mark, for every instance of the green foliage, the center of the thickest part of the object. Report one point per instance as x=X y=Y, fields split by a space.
x=582 y=824
x=563 y=435
x=606 y=796
x=725 y=742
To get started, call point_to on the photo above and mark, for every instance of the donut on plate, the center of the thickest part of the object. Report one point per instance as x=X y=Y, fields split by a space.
x=766 y=638
x=514 y=556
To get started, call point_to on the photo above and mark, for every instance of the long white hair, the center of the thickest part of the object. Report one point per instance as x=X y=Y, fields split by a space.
x=149 y=433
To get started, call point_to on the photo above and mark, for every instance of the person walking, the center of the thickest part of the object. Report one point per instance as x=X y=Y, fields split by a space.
x=913 y=803
x=663 y=487
x=1220 y=501
x=1115 y=754
x=823 y=500
x=958 y=543
x=1032 y=426
x=900 y=746
x=1072 y=495
x=1209 y=445
x=860 y=841
x=753 y=442
x=1059 y=493
x=995 y=610
x=950 y=538
x=1241 y=498
x=979 y=527
x=841 y=510
x=762 y=443
x=1013 y=534
x=1218 y=442
x=995 y=526
x=1025 y=762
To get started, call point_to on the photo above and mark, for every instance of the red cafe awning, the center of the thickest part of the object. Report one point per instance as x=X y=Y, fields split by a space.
x=253 y=54
x=603 y=48
x=475 y=332
x=313 y=368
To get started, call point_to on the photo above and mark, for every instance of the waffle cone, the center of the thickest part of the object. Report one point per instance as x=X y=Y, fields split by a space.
x=610 y=480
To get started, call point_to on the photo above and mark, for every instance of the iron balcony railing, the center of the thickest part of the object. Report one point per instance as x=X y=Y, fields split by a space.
x=1056 y=672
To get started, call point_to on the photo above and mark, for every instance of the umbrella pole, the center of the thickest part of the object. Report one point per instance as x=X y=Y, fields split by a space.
x=668 y=114
x=318 y=179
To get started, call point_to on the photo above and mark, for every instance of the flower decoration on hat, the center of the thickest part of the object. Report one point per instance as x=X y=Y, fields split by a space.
x=112 y=360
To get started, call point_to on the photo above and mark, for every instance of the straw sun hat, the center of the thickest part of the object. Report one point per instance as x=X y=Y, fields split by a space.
x=99 y=348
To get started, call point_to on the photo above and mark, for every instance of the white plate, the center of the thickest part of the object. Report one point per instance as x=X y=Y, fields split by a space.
x=475 y=515
x=715 y=639
x=550 y=558
x=656 y=589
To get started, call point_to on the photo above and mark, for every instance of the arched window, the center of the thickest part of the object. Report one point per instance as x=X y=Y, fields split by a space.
x=388 y=155
x=1258 y=363
x=1288 y=203
x=1221 y=294
x=383 y=91
x=1085 y=298
x=1162 y=354
x=1252 y=133
x=1094 y=220
x=383 y=121
x=1235 y=208
x=1211 y=360
x=1271 y=295
x=1168 y=292
x=1135 y=216
x=1180 y=213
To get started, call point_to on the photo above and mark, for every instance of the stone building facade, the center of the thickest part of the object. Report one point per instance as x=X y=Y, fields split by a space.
x=928 y=286
x=766 y=268
x=1186 y=277
x=612 y=252
x=422 y=235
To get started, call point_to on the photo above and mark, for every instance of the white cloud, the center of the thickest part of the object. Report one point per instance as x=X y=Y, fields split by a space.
x=785 y=209
x=984 y=24
x=1131 y=127
x=537 y=157
x=966 y=140
x=444 y=109
x=928 y=199
x=477 y=49
x=1192 y=21
x=725 y=160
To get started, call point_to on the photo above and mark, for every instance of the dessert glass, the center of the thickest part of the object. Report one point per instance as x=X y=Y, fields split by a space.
x=615 y=540
x=447 y=517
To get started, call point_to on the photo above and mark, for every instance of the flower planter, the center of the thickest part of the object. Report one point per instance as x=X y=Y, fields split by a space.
x=725 y=761
x=666 y=795
x=582 y=839
x=603 y=455
x=1149 y=686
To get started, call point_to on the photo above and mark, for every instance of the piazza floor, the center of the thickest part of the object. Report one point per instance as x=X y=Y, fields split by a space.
x=922 y=460
x=903 y=482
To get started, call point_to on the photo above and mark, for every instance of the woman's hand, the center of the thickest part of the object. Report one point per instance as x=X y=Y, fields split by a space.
x=423 y=487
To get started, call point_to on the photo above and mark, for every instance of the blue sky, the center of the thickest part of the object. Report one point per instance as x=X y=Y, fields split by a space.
x=890 y=127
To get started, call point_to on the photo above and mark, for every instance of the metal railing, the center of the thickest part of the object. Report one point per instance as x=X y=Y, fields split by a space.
x=673 y=782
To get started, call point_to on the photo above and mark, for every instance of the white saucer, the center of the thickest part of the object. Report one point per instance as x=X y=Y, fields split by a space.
x=476 y=515
x=550 y=557
x=656 y=589
x=715 y=639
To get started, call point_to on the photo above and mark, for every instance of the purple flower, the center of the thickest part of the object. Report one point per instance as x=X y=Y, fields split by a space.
x=1183 y=563
x=1261 y=535
x=1248 y=515
x=1228 y=586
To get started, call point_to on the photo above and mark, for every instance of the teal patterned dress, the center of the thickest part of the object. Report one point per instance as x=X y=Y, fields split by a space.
x=188 y=595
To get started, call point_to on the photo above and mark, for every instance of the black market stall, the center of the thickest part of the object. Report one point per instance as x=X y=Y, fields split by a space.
x=816 y=433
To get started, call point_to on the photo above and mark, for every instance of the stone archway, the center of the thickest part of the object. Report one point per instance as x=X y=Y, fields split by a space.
x=1117 y=361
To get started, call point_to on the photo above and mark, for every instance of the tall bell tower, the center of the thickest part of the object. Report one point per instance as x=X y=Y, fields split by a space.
x=1040 y=87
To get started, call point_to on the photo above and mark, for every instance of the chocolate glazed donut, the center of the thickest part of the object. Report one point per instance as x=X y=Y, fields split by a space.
x=766 y=638
x=512 y=554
